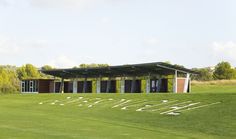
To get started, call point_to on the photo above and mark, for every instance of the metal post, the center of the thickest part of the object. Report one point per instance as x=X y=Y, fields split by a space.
x=148 y=80
x=85 y=85
x=62 y=86
x=75 y=86
x=54 y=86
x=21 y=82
x=98 y=84
x=175 y=82
x=108 y=85
x=122 y=85
x=186 y=83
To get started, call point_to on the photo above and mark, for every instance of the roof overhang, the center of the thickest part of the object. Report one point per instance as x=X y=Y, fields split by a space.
x=145 y=69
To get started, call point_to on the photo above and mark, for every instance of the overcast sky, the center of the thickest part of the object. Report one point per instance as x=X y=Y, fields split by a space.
x=66 y=33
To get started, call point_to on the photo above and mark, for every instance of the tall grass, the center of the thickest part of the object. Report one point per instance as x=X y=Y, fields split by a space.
x=215 y=82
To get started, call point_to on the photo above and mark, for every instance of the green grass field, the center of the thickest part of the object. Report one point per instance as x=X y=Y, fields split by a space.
x=106 y=116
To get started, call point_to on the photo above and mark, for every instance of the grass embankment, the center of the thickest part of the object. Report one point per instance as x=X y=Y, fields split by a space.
x=22 y=117
x=218 y=86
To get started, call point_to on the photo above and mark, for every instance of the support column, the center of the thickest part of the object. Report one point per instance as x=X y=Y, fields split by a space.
x=75 y=86
x=21 y=87
x=122 y=85
x=62 y=86
x=85 y=85
x=148 y=80
x=175 y=82
x=108 y=85
x=186 y=83
x=54 y=86
x=133 y=85
x=98 y=84
x=159 y=85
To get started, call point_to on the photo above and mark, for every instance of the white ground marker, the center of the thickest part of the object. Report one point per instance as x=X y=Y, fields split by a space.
x=47 y=101
x=164 y=101
x=95 y=103
x=73 y=101
x=178 y=108
x=121 y=104
x=200 y=106
x=172 y=106
x=53 y=103
x=151 y=106
x=173 y=113
x=137 y=103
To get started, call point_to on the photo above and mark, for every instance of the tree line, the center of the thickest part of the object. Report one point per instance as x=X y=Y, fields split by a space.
x=10 y=76
x=222 y=71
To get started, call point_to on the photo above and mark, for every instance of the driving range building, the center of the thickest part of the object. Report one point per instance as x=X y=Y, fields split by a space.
x=136 y=78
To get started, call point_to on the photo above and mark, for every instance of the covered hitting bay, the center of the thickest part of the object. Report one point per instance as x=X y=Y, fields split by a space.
x=135 y=78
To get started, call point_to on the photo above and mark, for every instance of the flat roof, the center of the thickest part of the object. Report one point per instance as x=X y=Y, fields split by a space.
x=144 y=69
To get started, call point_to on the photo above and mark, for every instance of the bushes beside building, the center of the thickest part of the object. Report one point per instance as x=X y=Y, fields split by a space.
x=9 y=81
x=10 y=77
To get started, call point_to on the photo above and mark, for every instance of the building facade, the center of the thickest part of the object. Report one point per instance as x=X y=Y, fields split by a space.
x=137 y=78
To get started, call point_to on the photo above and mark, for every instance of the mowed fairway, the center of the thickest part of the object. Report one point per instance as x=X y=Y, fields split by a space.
x=126 y=116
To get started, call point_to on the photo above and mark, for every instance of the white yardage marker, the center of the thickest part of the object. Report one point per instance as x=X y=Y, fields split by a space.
x=200 y=106
x=121 y=104
x=137 y=103
x=151 y=106
x=46 y=101
x=172 y=106
x=73 y=101
x=173 y=110
x=95 y=103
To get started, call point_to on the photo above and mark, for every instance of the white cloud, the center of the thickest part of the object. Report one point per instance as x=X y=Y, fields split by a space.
x=225 y=50
x=59 y=3
x=62 y=61
x=11 y=3
x=105 y=20
x=152 y=41
x=50 y=3
x=9 y=46
x=3 y=2
x=35 y=43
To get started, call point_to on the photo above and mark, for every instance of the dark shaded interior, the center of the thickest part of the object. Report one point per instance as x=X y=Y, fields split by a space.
x=88 y=87
x=135 y=84
x=158 y=85
x=108 y=89
x=68 y=87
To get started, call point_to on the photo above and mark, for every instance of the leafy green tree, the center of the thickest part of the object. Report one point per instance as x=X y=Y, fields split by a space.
x=45 y=76
x=28 y=71
x=9 y=82
x=92 y=65
x=204 y=74
x=223 y=70
x=47 y=67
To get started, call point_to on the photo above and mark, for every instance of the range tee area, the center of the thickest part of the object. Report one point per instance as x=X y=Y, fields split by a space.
x=127 y=116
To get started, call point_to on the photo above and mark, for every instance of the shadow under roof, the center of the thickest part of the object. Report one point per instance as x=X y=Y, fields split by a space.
x=145 y=69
